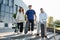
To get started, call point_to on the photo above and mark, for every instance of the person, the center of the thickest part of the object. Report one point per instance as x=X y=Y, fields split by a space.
x=30 y=14
x=20 y=19
x=42 y=22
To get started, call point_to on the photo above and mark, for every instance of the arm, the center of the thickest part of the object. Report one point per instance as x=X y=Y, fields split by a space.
x=17 y=16
x=35 y=15
x=40 y=18
x=45 y=16
x=26 y=17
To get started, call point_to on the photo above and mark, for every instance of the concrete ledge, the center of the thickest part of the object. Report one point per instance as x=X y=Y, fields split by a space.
x=52 y=30
x=5 y=39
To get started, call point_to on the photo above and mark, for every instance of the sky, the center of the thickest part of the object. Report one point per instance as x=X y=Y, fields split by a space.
x=51 y=7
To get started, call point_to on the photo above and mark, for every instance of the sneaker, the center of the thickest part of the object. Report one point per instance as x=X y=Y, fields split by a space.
x=45 y=36
x=28 y=28
x=18 y=33
x=37 y=34
x=31 y=32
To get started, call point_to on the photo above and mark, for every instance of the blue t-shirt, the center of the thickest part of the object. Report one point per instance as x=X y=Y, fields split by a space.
x=30 y=14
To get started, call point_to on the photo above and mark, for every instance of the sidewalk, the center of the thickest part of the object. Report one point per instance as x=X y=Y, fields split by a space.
x=2 y=35
x=12 y=35
x=6 y=32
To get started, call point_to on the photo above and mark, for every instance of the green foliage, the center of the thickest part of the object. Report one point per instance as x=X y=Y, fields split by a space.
x=50 y=25
x=16 y=26
x=57 y=22
x=14 y=15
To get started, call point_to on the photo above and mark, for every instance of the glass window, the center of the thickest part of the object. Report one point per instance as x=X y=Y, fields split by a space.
x=5 y=17
x=7 y=9
x=0 y=7
x=11 y=10
x=6 y=14
x=16 y=8
x=3 y=8
x=2 y=18
x=2 y=14
x=10 y=15
x=11 y=2
x=6 y=2
x=1 y=1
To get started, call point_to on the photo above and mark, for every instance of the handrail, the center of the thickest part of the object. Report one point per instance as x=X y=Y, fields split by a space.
x=54 y=29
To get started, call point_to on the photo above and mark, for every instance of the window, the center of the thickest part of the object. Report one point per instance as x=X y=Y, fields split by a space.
x=6 y=2
x=10 y=9
x=7 y=9
x=11 y=3
x=2 y=18
x=2 y=14
x=1 y=1
x=0 y=11
x=6 y=15
x=10 y=15
x=2 y=8
x=6 y=25
x=16 y=8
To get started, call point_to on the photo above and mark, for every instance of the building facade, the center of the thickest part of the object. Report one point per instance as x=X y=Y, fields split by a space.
x=8 y=8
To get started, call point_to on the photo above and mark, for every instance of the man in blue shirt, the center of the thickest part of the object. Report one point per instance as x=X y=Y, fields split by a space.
x=30 y=17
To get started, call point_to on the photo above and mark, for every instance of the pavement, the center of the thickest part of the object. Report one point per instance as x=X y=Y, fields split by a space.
x=8 y=34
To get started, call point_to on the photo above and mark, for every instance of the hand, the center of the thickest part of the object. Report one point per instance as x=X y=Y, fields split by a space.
x=35 y=20
x=26 y=19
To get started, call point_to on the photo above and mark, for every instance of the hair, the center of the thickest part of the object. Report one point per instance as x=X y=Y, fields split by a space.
x=41 y=8
x=30 y=6
x=22 y=10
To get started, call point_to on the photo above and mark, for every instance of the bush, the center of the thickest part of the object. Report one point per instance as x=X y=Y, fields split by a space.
x=57 y=22
x=50 y=25
x=14 y=15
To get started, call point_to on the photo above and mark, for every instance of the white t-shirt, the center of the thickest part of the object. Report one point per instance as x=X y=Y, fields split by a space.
x=20 y=17
x=42 y=17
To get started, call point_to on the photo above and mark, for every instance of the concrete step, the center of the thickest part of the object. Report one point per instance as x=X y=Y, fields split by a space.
x=6 y=29
x=28 y=36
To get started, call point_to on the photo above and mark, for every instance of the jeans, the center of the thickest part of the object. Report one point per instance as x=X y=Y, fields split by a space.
x=39 y=27
x=20 y=26
x=32 y=24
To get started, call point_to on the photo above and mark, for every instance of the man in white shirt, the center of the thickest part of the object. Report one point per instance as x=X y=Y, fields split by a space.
x=42 y=22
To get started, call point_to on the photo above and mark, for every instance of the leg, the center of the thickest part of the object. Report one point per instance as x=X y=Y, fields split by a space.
x=29 y=26
x=18 y=25
x=42 y=30
x=45 y=29
x=38 y=28
x=32 y=25
x=21 y=27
